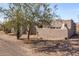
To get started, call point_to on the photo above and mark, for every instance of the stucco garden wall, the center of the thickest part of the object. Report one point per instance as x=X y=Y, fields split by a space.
x=52 y=34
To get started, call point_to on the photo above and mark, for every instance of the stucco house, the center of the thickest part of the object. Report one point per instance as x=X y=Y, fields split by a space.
x=59 y=29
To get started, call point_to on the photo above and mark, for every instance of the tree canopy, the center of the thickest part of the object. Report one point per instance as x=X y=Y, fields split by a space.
x=26 y=15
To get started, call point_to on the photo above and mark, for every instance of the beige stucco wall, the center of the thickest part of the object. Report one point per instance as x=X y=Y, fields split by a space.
x=52 y=34
x=57 y=34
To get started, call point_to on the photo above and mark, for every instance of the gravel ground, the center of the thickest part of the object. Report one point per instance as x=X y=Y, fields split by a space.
x=10 y=46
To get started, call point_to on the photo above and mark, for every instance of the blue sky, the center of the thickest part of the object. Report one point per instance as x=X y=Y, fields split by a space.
x=65 y=10
x=68 y=11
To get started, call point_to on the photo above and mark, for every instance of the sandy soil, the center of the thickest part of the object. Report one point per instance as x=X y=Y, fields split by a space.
x=10 y=46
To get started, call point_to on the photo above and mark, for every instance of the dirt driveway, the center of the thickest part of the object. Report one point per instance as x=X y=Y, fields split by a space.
x=9 y=45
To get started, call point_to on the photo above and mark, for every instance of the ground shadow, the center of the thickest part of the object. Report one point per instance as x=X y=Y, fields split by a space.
x=40 y=45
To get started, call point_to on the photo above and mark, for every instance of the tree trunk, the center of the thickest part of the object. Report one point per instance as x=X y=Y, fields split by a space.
x=28 y=34
x=18 y=34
